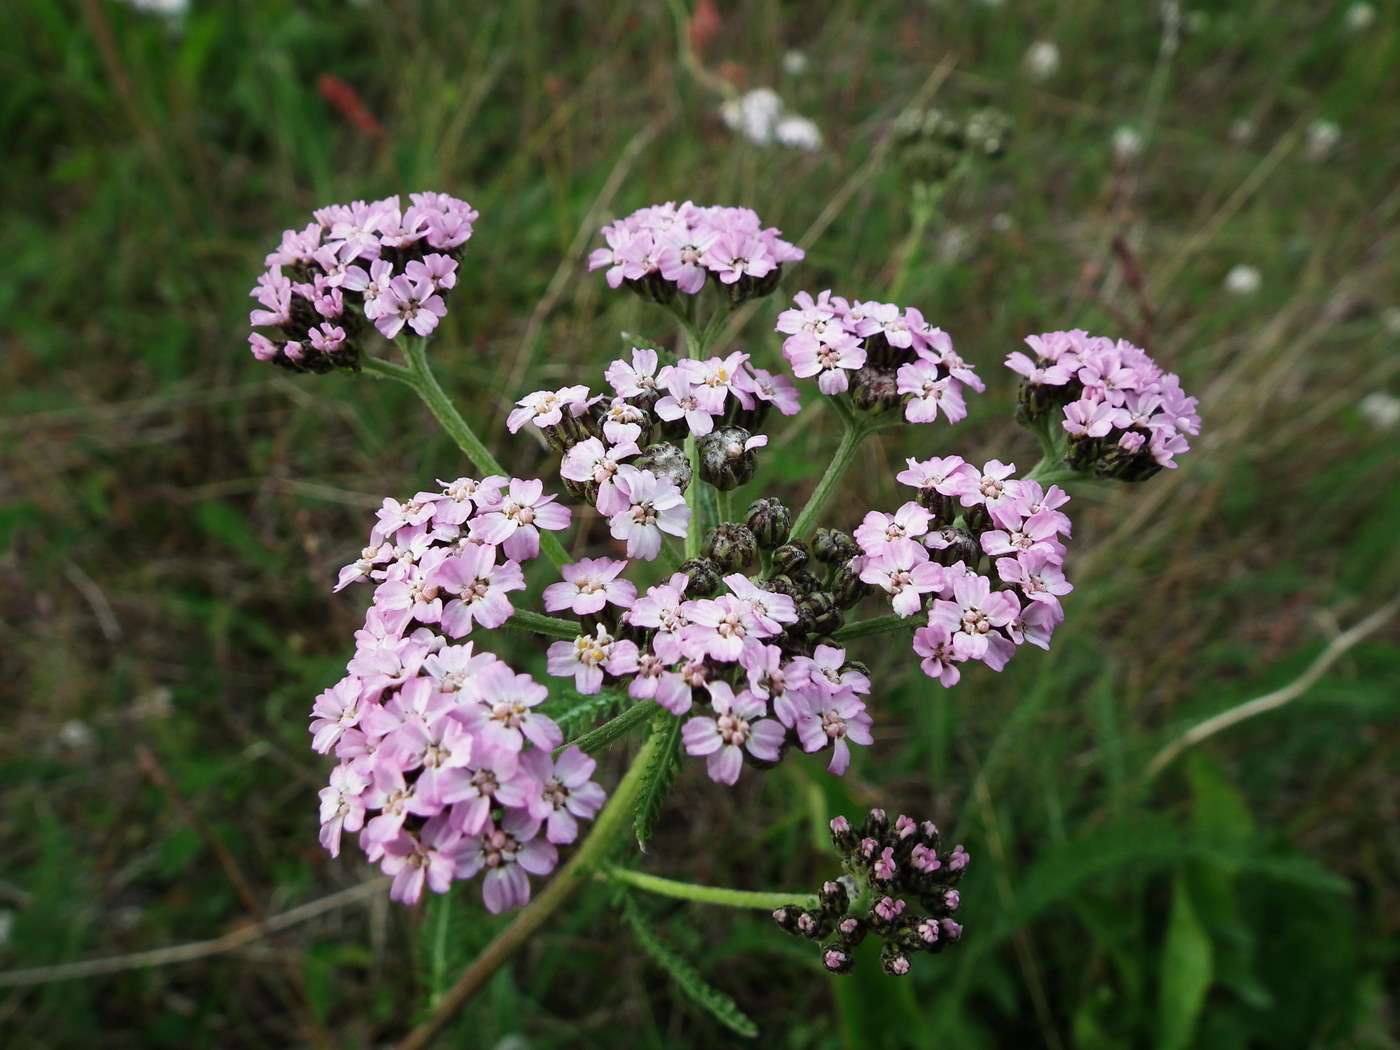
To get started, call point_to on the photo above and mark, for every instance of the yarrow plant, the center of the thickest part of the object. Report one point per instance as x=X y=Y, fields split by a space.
x=729 y=634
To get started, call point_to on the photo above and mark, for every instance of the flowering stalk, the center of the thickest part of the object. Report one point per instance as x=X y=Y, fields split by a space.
x=419 y=376
x=718 y=895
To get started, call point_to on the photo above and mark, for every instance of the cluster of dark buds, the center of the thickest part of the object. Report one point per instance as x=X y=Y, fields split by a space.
x=930 y=143
x=897 y=886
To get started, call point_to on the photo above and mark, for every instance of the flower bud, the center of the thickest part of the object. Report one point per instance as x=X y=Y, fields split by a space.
x=852 y=930
x=832 y=546
x=813 y=925
x=786 y=917
x=893 y=959
x=950 y=546
x=703 y=577
x=770 y=522
x=843 y=836
x=746 y=287
x=727 y=457
x=820 y=610
x=666 y=460
x=876 y=824
x=834 y=898
x=848 y=589
x=874 y=391
x=790 y=557
x=653 y=287
x=731 y=547
x=836 y=958
x=943 y=508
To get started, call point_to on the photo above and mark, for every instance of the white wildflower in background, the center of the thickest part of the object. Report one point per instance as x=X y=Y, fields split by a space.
x=76 y=735
x=1042 y=60
x=164 y=8
x=1242 y=280
x=1380 y=409
x=1390 y=319
x=1242 y=131
x=1002 y=222
x=1322 y=139
x=797 y=132
x=795 y=63
x=1127 y=144
x=760 y=117
x=1360 y=16
x=954 y=244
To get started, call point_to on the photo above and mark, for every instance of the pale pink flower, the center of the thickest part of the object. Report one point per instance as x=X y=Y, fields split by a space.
x=640 y=507
x=589 y=584
x=565 y=792
x=507 y=852
x=478 y=589
x=738 y=724
x=902 y=569
x=515 y=521
x=588 y=656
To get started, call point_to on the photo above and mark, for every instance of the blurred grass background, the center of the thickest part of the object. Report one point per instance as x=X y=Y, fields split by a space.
x=172 y=515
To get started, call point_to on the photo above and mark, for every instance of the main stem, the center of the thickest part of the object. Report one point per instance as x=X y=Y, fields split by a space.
x=612 y=822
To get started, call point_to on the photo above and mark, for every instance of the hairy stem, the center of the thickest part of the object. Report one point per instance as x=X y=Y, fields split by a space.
x=419 y=376
x=876 y=625
x=537 y=623
x=614 y=728
x=851 y=438
x=719 y=895
x=610 y=827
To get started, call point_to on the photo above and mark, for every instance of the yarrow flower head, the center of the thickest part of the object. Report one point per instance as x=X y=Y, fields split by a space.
x=1125 y=418
x=897 y=886
x=356 y=265
x=670 y=249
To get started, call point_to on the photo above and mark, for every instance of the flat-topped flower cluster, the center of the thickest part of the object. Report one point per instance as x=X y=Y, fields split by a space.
x=882 y=353
x=377 y=262
x=927 y=555
x=664 y=249
x=1126 y=418
x=445 y=767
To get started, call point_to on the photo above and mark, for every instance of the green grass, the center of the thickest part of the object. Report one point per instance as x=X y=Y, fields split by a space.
x=171 y=515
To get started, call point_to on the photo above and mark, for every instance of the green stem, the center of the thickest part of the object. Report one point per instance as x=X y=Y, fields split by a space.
x=614 y=728
x=854 y=434
x=922 y=210
x=524 y=620
x=689 y=891
x=608 y=830
x=1052 y=471
x=876 y=625
x=419 y=375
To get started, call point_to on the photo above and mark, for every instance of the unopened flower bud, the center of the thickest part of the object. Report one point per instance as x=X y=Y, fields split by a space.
x=943 y=508
x=876 y=824
x=843 y=836
x=874 y=391
x=786 y=917
x=666 y=460
x=834 y=898
x=790 y=557
x=852 y=930
x=950 y=546
x=703 y=577
x=731 y=547
x=746 y=287
x=727 y=457
x=819 y=609
x=653 y=287
x=894 y=960
x=950 y=932
x=814 y=925
x=836 y=958
x=848 y=589
x=770 y=522
x=834 y=547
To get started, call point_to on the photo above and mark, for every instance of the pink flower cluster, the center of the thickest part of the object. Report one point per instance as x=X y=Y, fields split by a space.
x=667 y=248
x=445 y=768
x=730 y=650
x=927 y=569
x=1126 y=418
x=388 y=263
x=890 y=353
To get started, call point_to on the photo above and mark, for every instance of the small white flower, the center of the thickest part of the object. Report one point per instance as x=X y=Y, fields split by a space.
x=164 y=8
x=76 y=735
x=1242 y=131
x=1360 y=16
x=1322 y=138
x=798 y=133
x=1127 y=143
x=754 y=115
x=1380 y=409
x=1042 y=60
x=1242 y=280
x=1002 y=221
x=795 y=63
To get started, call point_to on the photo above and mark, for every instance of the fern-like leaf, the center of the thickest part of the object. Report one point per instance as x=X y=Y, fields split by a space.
x=709 y=998
x=660 y=775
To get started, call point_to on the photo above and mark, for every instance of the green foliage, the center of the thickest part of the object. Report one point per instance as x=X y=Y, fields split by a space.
x=660 y=776
x=710 y=999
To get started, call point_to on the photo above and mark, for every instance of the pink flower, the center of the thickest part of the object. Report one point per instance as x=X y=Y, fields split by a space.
x=507 y=852
x=636 y=379
x=342 y=806
x=838 y=721
x=414 y=303
x=479 y=587
x=640 y=507
x=565 y=792
x=588 y=656
x=504 y=719
x=515 y=521
x=935 y=644
x=588 y=585
x=920 y=378
x=720 y=628
x=738 y=724
x=828 y=359
x=770 y=610
x=902 y=569
x=973 y=616
x=878 y=530
x=413 y=862
x=545 y=408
